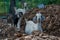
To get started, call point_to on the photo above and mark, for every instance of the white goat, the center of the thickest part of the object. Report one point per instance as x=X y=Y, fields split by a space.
x=19 y=13
x=31 y=26
x=39 y=18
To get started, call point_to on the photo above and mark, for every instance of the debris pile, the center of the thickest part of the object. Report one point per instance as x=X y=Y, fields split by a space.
x=6 y=30
x=52 y=19
x=51 y=25
x=38 y=36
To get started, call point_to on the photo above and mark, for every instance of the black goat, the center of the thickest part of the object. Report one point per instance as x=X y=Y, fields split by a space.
x=16 y=18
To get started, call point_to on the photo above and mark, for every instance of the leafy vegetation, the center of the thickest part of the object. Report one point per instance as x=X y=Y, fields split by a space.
x=4 y=4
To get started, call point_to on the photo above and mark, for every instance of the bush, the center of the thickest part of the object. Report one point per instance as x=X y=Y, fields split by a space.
x=31 y=3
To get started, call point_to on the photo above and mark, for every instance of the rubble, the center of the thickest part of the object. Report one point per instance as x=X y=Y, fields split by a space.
x=43 y=37
x=52 y=21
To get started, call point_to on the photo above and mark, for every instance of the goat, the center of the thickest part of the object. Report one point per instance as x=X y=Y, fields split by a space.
x=31 y=26
x=19 y=13
x=38 y=15
x=19 y=21
x=15 y=20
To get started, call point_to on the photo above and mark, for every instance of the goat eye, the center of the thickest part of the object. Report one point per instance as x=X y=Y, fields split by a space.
x=20 y=13
x=36 y=17
x=41 y=16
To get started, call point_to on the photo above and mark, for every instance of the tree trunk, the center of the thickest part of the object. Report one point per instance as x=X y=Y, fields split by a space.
x=12 y=5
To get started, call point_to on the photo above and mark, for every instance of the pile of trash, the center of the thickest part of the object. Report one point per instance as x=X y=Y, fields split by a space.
x=52 y=21
x=6 y=30
x=50 y=25
x=36 y=35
